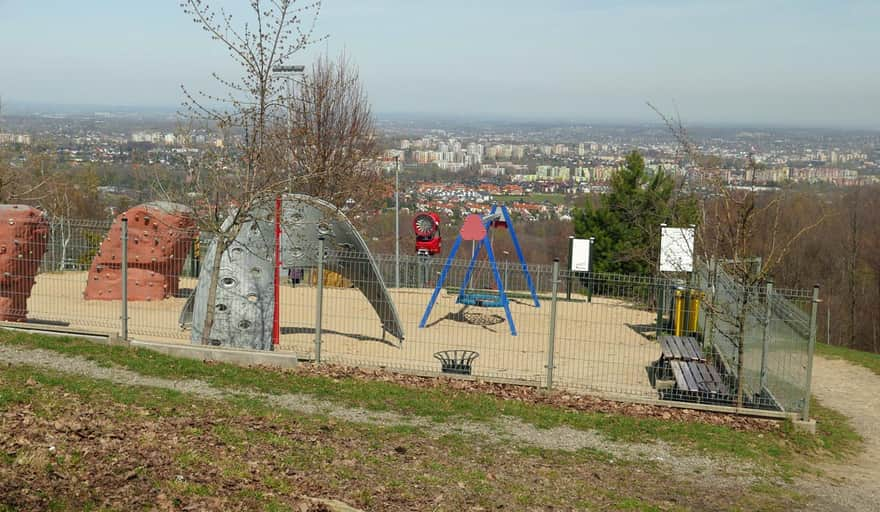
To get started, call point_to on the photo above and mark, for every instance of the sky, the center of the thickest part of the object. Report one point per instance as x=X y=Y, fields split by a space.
x=762 y=62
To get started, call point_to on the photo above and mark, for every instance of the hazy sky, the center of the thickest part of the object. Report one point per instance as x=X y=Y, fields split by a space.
x=795 y=62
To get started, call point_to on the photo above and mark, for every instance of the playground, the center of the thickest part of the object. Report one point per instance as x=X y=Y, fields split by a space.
x=465 y=313
x=595 y=349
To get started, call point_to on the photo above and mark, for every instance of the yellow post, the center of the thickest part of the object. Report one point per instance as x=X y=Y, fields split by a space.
x=678 y=320
x=694 y=308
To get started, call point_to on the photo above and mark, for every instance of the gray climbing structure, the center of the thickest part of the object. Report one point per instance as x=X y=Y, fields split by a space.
x=245 y=301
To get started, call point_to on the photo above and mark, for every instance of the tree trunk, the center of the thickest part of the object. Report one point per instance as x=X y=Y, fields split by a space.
x=853 y=262
x=65 y=241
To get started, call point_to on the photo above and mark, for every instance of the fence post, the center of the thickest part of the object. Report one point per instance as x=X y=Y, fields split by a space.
x=124 y=263
x=661 y=307
x=765 y=346
x=551 y=339
x=811 y=349
x=320 y=300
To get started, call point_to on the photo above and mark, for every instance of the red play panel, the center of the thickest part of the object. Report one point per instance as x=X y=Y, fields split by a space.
x=473 y=228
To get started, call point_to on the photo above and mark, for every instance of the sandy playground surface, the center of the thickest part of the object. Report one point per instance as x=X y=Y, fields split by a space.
x=597 y=345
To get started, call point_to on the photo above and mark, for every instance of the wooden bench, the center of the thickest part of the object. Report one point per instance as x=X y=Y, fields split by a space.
x=680 y=348
x=683 y=373
x=699 y=378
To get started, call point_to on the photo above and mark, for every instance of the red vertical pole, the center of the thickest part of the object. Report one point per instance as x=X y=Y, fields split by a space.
x=276 y=320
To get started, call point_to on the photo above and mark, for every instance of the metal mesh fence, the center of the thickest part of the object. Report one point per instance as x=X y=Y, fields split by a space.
x=353 y=335
x=775 y=329
x=610 y=333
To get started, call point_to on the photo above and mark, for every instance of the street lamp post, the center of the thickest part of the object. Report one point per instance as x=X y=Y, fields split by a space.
x=289 y=72
x=397 y=222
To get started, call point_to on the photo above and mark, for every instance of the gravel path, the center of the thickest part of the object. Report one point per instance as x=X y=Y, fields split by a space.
x=855 y=392
x=506 y=429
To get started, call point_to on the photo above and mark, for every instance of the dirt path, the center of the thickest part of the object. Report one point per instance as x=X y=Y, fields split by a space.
x=855 y=392
x=714 y=472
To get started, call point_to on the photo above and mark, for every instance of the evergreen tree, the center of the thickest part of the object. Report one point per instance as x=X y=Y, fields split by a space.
x=626 y=222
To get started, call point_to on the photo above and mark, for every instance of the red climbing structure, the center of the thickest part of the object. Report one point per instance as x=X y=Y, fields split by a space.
x=159 y=239
x=23 y=235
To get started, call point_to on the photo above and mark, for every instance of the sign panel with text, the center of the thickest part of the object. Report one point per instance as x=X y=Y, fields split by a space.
x=676 y=249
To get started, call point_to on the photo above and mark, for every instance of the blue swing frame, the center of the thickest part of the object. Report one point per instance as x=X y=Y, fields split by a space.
x=484 y=299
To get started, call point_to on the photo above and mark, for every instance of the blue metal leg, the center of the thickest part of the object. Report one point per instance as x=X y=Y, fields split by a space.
x=501 y=291
x=440 y=281
x=519 y=254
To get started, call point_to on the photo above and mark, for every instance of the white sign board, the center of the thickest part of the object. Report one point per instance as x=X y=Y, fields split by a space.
x=676 y=249
x=580 y=254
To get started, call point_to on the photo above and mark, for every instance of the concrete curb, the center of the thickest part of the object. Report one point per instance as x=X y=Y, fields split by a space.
x=806 y=426
x=221 y=355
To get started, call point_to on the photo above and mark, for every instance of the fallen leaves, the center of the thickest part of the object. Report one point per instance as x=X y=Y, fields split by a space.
x=534 y=395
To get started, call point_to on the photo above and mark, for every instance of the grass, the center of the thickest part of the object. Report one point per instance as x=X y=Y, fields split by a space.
x=869 y=360
x=835 y=434
x=445 y=405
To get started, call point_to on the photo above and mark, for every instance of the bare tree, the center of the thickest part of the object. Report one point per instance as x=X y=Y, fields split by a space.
x=333 y=136
x=854 y=242
x=731 y=220
x=66 y=197
x=21 y=183
x=228 y=185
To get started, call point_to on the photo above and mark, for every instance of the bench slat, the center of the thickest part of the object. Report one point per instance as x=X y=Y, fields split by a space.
x=666 y=348
x=716 y=378
x=694 y=371
x=679 y=376
x=696 y=376
x=681 y=348
x=694 y=350
x=684 y=378
x=706 y=381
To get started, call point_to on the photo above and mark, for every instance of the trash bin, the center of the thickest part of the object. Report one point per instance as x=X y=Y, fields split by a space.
x=457 y=362
x=693 y=314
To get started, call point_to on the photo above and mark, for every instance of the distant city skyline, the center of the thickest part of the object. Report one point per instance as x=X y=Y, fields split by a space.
x=771 y=62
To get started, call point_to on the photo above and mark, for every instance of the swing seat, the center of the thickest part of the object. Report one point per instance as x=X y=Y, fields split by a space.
x=483 y=300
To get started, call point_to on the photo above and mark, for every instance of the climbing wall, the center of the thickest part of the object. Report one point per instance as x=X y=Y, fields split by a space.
x=244 y=305
x=23 y=234
x=160 y=236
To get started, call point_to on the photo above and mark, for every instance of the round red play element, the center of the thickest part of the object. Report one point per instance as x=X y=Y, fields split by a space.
x=426 y=224
x=427 y=229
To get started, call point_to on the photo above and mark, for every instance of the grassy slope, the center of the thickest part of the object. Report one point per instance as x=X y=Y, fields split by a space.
x=142 y=447
x=444 y=405
x=867 y=359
